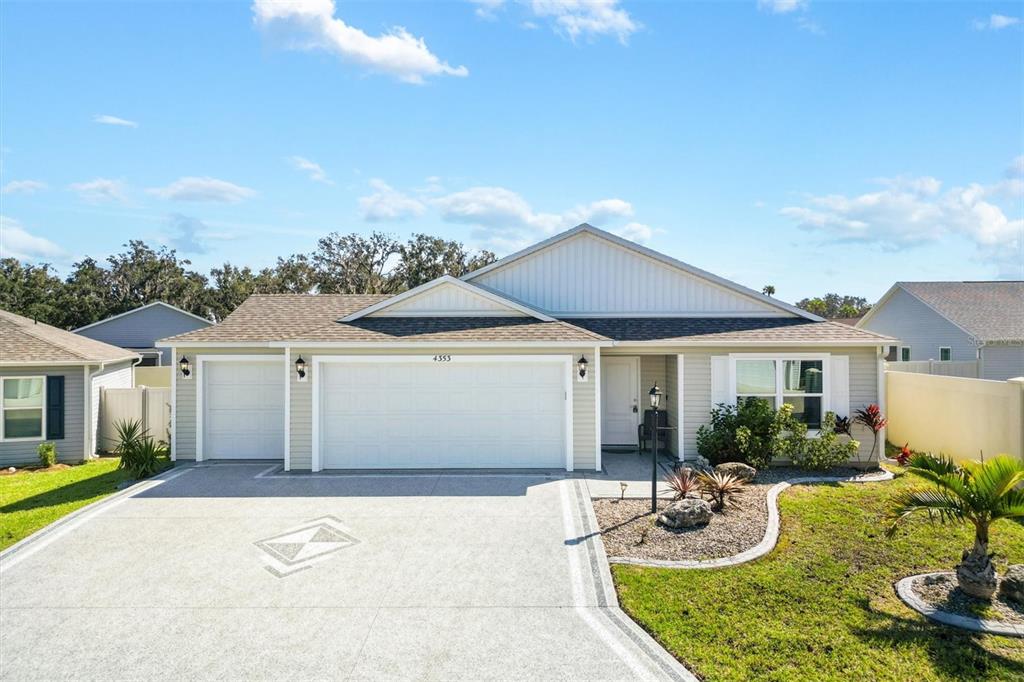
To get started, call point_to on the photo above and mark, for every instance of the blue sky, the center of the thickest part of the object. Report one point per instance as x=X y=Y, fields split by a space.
x=815 y=146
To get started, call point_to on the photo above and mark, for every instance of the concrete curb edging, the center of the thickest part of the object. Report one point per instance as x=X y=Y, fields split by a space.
x=905 y=591
x=771 y=533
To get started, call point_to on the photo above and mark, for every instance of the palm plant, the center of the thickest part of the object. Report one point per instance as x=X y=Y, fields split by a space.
x=979 y=493
x=140 y=453
x=683 y=482
x=721 y=488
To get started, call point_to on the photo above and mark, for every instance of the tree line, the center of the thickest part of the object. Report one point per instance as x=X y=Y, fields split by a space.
x=141 y=274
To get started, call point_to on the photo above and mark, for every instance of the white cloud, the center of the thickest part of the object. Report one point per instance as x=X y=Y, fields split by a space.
x=109 y=120
x=1016 y=168
x=909 y=212
x=781 y=6
x=387 y=204
x=311 y=25
x=995 y=22
x=315 y=172
x=23 y=187
x=203 y=189
x=809 y=26
x=100 y=190
x=187 y=233
x=486 y=9
x=587 y=18
x=17 y=242
x=636 y=232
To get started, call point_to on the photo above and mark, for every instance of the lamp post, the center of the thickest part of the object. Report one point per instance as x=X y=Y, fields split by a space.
x=655 y=396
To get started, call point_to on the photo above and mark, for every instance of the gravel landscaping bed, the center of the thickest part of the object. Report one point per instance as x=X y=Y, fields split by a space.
x=941 y=592
x=625 y=522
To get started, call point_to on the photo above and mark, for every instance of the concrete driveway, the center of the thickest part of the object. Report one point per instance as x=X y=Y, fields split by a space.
x=235 y=571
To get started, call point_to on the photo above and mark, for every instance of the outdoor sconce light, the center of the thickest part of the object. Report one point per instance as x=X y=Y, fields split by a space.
x=655 y=395
x=300 y=368
x=185 y=366
x=581 y=365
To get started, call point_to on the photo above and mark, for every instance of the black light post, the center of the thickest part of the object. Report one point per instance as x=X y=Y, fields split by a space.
x=655 y=396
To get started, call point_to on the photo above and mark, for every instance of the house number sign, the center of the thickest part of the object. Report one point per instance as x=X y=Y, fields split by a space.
x=442 y=358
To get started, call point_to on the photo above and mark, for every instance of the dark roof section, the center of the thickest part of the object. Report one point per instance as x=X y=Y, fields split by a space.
x=314 y=318
x=989 y=311
x=23 y=340
x=682 y=330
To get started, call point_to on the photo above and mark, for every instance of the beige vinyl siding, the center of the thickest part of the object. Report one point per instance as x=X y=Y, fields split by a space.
x=118 y=375
x=185 y=400
x=661 y=369
x=71 y=448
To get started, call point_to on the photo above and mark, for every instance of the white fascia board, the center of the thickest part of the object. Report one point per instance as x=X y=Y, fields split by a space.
x=427 y=345
x=135 y=310
x=442 y=280
x=221 y=344
x=649 y=253
x=68 y=363
x=628 y=315
x=674 y=343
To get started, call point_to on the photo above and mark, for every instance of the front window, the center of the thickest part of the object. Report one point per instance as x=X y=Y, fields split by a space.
x=797 y=382
x=21 y=408
x=945 y=354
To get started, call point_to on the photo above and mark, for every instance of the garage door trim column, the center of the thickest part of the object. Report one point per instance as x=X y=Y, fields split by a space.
x=566 y=361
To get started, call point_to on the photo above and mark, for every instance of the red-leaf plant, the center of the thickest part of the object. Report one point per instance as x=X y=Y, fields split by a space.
x=871 y=417
x=904 y=455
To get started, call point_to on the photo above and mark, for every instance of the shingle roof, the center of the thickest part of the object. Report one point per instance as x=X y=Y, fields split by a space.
x=314 y=318
x=682 y=330
x=23 y=340
x=989 y=311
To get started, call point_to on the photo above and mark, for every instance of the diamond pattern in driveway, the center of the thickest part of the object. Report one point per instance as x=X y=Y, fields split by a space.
x=427 y=576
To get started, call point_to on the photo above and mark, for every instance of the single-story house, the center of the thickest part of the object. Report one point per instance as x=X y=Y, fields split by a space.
x=51 y=381
x=138 y=330
x=542 y=359
x=954 y=321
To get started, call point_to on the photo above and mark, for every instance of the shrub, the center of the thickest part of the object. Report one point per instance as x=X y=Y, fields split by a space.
x=140 y=453
x=904 y=455
x=682 y=482
x=47 y=454
x=721 y=488
x=871 y=417
x=827 y=450
x=751 y=432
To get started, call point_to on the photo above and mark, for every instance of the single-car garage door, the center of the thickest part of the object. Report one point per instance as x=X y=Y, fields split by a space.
x=243 y=409
x=443 y=411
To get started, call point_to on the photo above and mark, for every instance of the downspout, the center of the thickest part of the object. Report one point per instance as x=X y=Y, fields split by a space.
x=882 y=437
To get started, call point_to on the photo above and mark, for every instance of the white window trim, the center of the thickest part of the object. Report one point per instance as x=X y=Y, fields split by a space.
x=950 y=349
x=42 y=435
x=826 y=381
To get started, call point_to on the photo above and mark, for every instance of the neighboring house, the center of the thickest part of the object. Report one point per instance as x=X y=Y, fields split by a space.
x=138 y=330
x=954 y=321
x=51 y=381
x=539 y=360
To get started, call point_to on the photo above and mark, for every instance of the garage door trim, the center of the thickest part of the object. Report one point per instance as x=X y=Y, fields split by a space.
x=448 y=358
x=201 y=390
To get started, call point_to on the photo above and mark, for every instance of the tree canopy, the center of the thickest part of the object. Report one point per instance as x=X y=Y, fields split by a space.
x=141 y=274
x=833 y=305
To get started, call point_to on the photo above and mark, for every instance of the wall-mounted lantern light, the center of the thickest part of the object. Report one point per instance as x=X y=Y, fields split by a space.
x=581 y=367
x=185 y=366
x=300 y=368
x=655 y=395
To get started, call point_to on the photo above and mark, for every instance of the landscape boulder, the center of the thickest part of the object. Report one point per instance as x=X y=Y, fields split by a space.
x=742 y=471
x=686 y=513
x=1011 y=586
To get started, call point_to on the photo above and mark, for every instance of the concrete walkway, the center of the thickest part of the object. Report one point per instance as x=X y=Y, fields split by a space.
x=229 y=571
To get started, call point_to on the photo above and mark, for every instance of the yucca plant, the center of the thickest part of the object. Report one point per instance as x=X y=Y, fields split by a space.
x=979 y=493
x=140 y=453
x=683 y=482
x=721 y=488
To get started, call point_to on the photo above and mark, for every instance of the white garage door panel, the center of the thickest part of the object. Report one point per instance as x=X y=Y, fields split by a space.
x=427 y=415
x=243 y=410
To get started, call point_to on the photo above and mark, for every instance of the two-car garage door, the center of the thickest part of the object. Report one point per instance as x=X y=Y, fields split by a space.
x=442 y=411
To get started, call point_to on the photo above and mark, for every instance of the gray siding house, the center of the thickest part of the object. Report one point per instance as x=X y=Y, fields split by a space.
x=138 y=330
x=954 y=321
x=50 y=382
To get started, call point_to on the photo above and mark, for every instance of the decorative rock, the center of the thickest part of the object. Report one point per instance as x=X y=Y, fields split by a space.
x=700 y=464
x=686 y=513
x=742 y=471
x=1011 y=586
x=976 y=574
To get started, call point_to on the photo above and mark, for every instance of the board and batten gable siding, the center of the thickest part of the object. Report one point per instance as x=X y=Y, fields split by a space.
x=918 y=326
x=999 y=362
x=447 y=300
x=117 y=375
x=71 y=448
x=587 y=275
x=185 y=399
x=142 y=328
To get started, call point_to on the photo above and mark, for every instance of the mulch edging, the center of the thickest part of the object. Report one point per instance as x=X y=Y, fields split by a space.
x=905 y=591
x=771 y=534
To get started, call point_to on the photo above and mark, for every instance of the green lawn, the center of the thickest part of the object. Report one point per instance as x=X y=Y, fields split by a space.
x=821 y=606
x=30 y=500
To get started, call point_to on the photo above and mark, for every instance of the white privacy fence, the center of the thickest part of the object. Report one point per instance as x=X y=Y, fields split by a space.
x=152 y=406
x=959 y=368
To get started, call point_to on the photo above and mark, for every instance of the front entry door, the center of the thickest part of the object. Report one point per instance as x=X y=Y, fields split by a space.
x=620 y=395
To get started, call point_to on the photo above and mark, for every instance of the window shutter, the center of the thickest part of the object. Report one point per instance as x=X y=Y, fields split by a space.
x=720 y=380
x=839 y=393
x=55 y=408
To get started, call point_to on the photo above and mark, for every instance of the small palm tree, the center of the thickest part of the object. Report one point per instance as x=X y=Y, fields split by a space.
x=979 y=493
